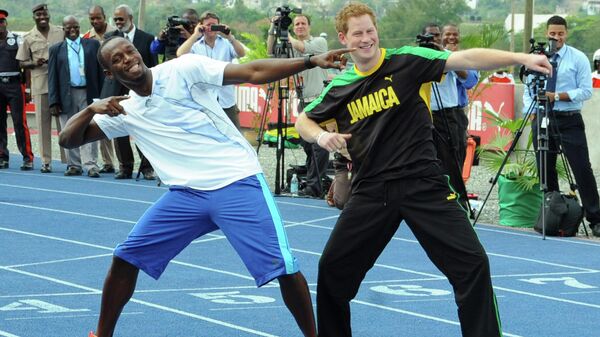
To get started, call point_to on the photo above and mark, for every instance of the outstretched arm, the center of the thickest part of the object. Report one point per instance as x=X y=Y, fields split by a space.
x=82 y=129
x=269 y=70
x=489 y=59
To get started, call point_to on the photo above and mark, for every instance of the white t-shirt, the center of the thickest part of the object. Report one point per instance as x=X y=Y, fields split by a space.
x=182 y=129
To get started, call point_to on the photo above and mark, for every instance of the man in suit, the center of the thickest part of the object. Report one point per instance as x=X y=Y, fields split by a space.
x=123 y=18
x=74 y=80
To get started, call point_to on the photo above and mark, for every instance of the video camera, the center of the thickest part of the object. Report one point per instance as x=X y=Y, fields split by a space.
x=540 y=48
x=426 y=41
x=283 y=21
x=173 y=31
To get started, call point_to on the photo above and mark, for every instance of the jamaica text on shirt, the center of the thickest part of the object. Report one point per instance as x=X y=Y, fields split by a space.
x=366 y=106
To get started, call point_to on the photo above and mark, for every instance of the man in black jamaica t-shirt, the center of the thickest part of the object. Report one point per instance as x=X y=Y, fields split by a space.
x=384 y=121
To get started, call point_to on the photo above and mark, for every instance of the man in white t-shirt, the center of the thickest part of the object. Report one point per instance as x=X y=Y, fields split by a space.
x=216 y=181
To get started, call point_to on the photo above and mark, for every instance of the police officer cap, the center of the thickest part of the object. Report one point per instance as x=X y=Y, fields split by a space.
x=3 y=14
x=39 y=7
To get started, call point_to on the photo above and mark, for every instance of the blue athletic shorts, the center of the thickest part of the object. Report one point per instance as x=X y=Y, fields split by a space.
x=244 y=211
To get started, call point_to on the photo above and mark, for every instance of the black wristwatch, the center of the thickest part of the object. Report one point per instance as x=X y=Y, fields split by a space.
x=307 y=62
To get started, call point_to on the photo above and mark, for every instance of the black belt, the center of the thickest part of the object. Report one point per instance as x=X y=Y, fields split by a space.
x=8 y=79
x=447 y=109
x=558 y=113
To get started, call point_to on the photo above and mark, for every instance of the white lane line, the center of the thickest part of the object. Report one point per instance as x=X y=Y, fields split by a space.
x=586 y=270
x=145 y=291
x=59 y=261
x=55 y=238
x=82 y=179
x=7 y=334
x=385 y=266
x=145 y=303
x=307 y=206
x=98 y=196
x=195 y=266
x=49 y=294
x=415 y=314
x=111 y=249
x=66 y=212
x=578 y=241
x=543 y=262
x=550 y=298
x=68 y=316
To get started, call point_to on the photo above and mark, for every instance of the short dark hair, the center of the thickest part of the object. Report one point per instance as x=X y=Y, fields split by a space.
x=190 y=11
x=99 y=55
x=557 y=20
x=97 y=7
x=431 y=24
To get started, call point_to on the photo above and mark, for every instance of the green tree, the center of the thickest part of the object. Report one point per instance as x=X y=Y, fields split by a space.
x=581 y=33
x=405 y=19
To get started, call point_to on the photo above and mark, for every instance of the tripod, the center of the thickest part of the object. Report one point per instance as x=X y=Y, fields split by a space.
x=543 y=108
x=282 y=48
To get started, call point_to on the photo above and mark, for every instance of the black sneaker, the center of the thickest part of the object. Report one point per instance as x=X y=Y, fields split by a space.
x=73 y=171
x=3 y=164
x=93 y=173
x=595 y=229
x=107 y=169
x=46 y=168
x=27 y=165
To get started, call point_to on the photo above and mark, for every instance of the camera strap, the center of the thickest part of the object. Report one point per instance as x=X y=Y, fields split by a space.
x=551 y=84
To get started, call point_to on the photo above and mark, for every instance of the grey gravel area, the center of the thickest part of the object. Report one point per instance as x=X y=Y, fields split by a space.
x=478 y=182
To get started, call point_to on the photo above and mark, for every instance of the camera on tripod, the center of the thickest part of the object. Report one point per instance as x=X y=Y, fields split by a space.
x=173 y=32
x=540 y=48
x=283 y=21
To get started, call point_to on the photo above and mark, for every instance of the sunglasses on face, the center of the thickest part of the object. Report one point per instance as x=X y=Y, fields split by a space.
x=118 y=19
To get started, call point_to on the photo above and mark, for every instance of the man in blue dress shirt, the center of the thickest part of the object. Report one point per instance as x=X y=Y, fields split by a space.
x=566 y=91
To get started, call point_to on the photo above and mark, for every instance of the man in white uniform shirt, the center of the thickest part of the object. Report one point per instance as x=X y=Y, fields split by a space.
x=216 y=180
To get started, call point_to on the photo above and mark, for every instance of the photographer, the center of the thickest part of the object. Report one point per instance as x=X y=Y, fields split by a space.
x=215 y=40
x=177 y=31
x=566 y=90
x=317 y=158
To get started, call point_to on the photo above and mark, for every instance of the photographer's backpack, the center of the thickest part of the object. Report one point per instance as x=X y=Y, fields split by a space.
x=562 y=215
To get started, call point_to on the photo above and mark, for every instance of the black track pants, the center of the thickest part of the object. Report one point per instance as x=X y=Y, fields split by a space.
x=367 y=224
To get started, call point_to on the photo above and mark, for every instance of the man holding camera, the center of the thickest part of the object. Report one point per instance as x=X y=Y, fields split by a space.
x=177 y=31
x=317 y=159
x=215 y=41
x=33 y=55
x=566 y=90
